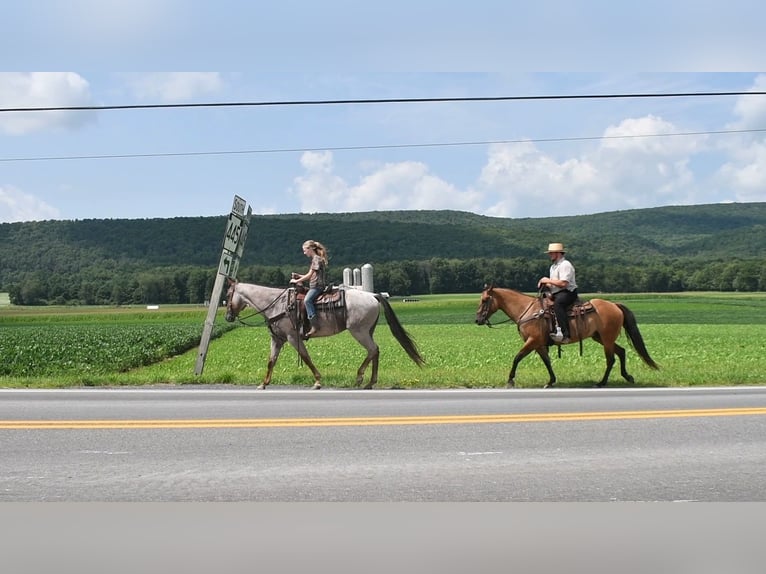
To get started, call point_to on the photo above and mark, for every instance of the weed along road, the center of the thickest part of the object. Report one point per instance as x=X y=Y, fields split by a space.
x=234 y=444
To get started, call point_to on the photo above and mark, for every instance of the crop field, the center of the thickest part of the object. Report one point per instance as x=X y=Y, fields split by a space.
x=696 y=338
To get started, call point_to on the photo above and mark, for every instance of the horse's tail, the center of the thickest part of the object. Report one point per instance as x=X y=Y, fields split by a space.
x=631 y=328
x=401 y=335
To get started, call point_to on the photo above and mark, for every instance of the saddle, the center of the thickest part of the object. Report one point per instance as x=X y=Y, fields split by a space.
x=333 y=297
x=576 y=310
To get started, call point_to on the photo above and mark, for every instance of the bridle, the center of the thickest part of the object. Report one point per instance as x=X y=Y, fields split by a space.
x=484 y=310
x=257 y=311
x=483 y=313
x=486 y=304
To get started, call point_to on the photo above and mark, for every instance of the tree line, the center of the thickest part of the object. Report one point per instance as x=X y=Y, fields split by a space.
x=186 y=284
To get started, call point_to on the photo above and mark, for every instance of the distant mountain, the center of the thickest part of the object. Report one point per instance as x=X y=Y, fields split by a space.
x=716 y=232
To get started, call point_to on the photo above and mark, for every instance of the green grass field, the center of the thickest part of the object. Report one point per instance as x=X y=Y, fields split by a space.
x=696 y=338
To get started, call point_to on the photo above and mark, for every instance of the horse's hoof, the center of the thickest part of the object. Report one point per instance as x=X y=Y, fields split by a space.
x=549 y=385
x=511 y=385
x=317 y=386
x=260 y=387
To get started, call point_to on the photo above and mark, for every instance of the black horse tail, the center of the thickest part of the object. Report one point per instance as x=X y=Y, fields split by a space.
x=631 y=328
x=401 y=335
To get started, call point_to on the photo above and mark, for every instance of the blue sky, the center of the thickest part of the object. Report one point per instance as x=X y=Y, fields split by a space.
x=509 y=158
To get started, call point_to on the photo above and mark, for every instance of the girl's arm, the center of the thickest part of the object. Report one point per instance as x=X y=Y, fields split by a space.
x=301 y=278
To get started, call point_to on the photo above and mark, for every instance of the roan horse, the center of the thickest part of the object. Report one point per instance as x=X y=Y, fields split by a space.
x=358 y=313
x=603 y=324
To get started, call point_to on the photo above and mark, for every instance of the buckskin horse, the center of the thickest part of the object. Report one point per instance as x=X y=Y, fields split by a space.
x=350 y=309
x=598 y=319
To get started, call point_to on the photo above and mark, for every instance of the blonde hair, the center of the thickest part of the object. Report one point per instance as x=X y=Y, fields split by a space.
x=318 y=248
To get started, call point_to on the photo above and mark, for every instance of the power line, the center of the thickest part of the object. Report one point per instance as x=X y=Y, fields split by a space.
x=371 y=147
x=382 y=101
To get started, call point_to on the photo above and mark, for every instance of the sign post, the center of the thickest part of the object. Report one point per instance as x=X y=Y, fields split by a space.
x=233 y=246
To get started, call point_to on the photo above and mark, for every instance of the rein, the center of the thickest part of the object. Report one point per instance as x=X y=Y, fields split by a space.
x=532 y=318
x=520 y=321
x=242 y=320
x=490 y=325
x=267 y=320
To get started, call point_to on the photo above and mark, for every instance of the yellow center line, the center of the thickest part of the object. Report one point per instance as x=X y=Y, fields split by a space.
x=374 y=421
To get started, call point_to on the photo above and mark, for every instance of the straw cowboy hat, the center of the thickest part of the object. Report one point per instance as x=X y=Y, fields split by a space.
x=556 y=248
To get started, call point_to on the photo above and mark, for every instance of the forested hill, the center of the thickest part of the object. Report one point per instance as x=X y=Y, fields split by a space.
x=702 y=233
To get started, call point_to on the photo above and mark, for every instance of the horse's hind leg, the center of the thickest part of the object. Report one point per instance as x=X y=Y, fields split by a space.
x=373 y=356
x=364 y=338
x=373 y=373
x=609 y=350
x=623 y=366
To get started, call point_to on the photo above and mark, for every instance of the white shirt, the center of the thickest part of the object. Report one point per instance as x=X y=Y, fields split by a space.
x=565 y=271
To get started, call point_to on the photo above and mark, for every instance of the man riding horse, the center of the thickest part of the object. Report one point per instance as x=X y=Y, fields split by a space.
x=563 y=288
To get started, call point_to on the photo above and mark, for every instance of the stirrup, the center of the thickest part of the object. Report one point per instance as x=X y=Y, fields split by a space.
x=314 y=322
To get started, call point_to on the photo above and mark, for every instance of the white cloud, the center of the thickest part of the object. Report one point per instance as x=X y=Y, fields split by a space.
x=15 y=205
x=41 y=90
x=639 y=163
x=742 y=177
x=392 y=186
x=519 y=180
x=624 y=171
x=751 y=110
x=319 y=190
x=175 y=86
x=628 y=137
x=745 y=174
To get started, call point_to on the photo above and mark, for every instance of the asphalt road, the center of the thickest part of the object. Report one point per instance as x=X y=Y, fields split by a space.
x=233 y=444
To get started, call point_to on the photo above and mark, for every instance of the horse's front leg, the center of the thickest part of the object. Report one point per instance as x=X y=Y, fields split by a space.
x=543 y=352
x=297 y=342
x=523 y=352
x=276 y=347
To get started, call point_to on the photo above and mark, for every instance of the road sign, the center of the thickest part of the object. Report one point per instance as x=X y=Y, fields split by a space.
x=239 y=206
x=229 y=264
x=234 y=228
x=233 y=247
x=243 y=234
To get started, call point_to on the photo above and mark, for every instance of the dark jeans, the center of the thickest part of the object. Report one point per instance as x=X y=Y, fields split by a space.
x=562 y=300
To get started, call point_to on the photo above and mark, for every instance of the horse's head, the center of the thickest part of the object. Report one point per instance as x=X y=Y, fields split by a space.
x=487 y=306
x=234 y=302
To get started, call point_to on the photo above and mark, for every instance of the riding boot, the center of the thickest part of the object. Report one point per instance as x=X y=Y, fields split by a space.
x=314 y=327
